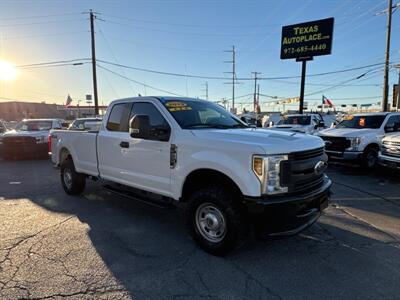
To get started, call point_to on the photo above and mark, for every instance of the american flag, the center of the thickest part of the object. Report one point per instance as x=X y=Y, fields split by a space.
x=326 y=101
x=69 y=100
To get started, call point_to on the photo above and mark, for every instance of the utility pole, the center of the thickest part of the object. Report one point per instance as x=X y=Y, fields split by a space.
x=233 y=62
x=206 y=89
x=255 y=90
x=96 y=99
x=386 y=69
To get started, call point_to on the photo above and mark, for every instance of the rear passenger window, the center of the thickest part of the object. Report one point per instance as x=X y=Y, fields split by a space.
x=119 y=117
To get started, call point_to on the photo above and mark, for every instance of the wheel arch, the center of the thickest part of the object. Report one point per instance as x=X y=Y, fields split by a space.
x=372 y=146
x=203 y=177
x=64 y=154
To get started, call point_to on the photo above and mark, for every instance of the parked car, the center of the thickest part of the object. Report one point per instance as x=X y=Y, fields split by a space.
x=389 y=155
x=84 y=123
x=358 y=137
x=164 y=150
x=304 y=123
x=29 y=139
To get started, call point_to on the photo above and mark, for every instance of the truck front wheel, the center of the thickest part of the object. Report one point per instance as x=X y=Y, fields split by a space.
x=216 y=221
x=73 y=182
x=369 y=158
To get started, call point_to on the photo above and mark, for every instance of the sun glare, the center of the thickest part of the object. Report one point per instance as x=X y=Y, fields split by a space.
x=7 y=71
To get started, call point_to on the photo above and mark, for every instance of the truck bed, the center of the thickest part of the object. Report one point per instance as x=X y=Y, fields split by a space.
x=80 y=144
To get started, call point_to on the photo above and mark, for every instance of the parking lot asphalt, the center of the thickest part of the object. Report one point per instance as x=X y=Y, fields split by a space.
x=102 y=246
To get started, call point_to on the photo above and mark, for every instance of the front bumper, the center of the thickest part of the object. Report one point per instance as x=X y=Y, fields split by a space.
x=24 y=151
x=287 y=215
x=389 y=161
x=345 y=155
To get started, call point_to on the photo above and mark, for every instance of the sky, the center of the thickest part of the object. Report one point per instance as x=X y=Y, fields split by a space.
x=189 y=38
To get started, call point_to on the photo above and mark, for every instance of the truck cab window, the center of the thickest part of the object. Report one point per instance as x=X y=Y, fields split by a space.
x=159 y=126
x=119 y=117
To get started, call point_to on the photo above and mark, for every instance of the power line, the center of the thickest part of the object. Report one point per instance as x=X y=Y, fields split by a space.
x=177 y=32
x=138 y=82
x=238 y=78
x=44 y=35
x=56 y=65
x=189 y=25
x=39 y=23
x=53 y=62
x=40 y=16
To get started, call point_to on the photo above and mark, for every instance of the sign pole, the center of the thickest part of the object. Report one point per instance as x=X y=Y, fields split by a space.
x=303 y=81
x=303 y=61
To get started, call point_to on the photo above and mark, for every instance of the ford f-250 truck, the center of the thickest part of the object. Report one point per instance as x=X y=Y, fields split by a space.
x=162 y=150
x=358 y=137
x=389 y=154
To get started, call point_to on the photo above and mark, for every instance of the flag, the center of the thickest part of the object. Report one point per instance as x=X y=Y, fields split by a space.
x=69 y=100
x=326 y=101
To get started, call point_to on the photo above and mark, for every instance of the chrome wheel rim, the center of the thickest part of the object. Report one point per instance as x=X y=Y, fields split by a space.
x=67 y=178
x=210 y=222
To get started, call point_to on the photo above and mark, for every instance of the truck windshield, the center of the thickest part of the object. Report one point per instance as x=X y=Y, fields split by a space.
x=295 y=120
x=33 y=126
x=200 y=114
x=361 y=122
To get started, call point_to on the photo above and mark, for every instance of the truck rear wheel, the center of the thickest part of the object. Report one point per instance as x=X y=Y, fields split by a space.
x=216 y=220
x=72 y=181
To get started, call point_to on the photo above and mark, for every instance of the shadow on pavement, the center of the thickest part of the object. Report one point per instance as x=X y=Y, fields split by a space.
x=149 y=252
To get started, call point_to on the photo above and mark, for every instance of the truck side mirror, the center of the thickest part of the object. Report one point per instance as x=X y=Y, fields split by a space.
x=139 y=127
x=321 y=124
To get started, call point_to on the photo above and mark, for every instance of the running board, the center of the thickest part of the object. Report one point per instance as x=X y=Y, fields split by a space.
x=165 y=204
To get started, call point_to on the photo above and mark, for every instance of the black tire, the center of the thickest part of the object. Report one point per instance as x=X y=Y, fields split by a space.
x=370 y=158
x=73 y=182
x=221 y=202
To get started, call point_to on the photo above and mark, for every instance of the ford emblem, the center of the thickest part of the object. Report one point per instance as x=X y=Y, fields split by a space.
x=320 y=167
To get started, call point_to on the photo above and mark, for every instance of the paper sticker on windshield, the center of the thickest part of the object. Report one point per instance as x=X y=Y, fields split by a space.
x=348 y=117
x=361 y=122
x=173 y=109
x=177 y=106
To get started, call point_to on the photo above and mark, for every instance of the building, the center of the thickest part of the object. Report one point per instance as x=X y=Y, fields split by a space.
x=16 y=111
x=81 y=111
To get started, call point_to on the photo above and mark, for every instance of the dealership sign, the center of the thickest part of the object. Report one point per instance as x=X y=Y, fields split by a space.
x=307 y=39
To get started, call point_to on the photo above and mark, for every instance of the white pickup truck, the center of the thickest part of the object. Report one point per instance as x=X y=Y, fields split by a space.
x=389 y=154
x=358 y=137
x=303 y=123
x=163 y=150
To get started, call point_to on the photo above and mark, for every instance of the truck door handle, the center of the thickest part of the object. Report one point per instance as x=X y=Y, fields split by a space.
x=124 y=145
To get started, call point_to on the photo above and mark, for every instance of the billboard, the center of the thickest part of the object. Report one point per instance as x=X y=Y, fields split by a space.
x=307 y=39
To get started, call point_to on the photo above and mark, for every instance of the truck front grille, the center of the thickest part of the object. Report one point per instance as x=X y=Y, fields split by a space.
x=334 y=143
x=298 y=172
x=391 y=148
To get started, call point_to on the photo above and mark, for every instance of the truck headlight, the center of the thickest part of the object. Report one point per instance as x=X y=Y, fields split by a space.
x=267 y=169
x=354 y=143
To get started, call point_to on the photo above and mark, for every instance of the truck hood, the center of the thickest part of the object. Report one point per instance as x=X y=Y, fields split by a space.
x=392 y=137
x=272 y=142
x=348 y=132
x=13 y=133
x=298 y=128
